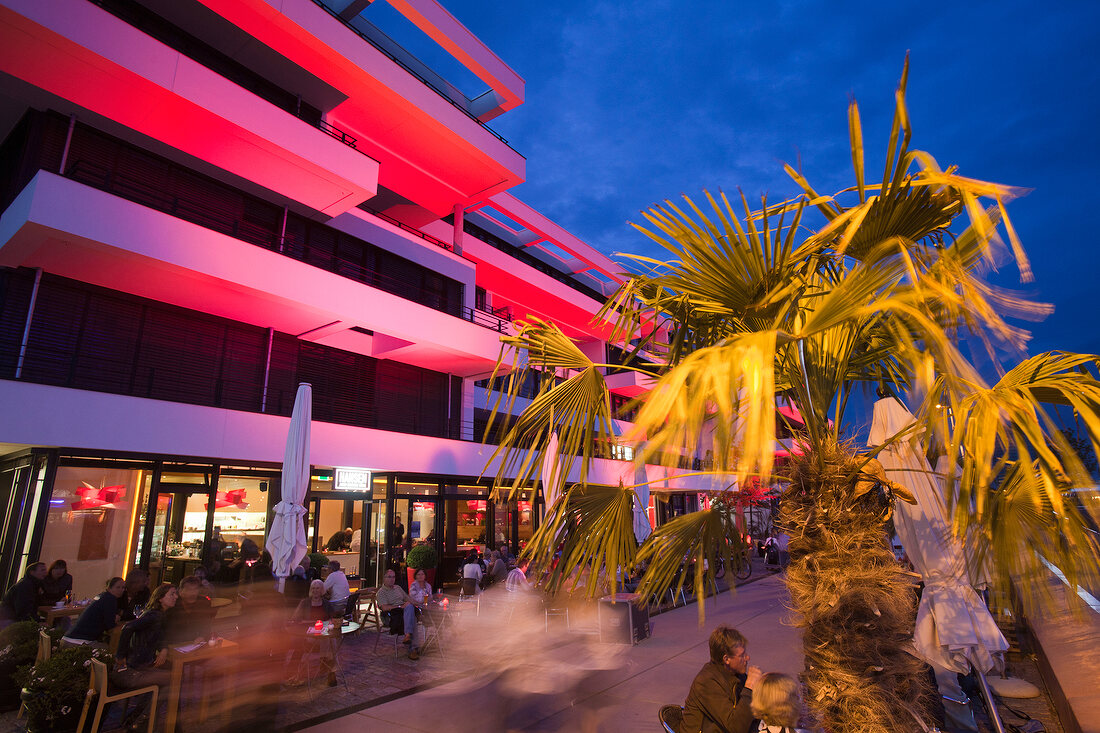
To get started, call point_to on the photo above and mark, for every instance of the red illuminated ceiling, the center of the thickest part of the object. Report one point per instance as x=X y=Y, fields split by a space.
x=431 y=153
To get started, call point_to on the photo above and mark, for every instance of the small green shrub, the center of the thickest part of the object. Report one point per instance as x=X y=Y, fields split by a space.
x=60 y=682
x=422 y=557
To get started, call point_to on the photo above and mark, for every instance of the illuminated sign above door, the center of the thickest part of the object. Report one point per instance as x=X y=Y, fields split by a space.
x=351 y=479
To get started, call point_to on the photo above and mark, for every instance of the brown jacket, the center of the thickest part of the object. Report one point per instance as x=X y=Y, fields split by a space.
x=718 y=702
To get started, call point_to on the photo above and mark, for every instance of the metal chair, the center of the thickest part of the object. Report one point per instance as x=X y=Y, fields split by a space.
x=671 y=716
x=97 y=689
x=352 y=612
x=372 y=616
x=467 y=591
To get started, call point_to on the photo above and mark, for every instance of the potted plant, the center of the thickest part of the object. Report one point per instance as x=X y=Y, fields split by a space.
x=54 y=690
x=18 y=648
x=317 y=561
x=422 y=557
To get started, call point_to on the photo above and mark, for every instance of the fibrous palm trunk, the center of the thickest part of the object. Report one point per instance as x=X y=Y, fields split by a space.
x=857 y=607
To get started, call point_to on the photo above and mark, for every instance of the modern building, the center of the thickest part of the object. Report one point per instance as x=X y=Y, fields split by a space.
x=207 y=202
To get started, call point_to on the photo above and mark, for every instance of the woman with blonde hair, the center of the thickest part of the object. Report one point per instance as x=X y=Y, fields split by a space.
x=777 y=702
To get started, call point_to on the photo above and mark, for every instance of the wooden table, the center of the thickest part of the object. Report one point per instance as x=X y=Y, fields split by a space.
x=53 y=613
x=220 y=602
x=176 y=658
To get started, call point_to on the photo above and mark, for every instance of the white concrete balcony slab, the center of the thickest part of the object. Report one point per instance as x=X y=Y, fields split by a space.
x=629 y=384
x=76 y=231
x=432 y=151
x=97 y=62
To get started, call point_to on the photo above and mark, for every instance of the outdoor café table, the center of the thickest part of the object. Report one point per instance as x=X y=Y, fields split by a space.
x=53 y=613
x=331 y=631
x=179 y=656
x=436 y=616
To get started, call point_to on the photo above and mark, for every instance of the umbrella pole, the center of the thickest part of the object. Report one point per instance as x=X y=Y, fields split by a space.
x=990 y=704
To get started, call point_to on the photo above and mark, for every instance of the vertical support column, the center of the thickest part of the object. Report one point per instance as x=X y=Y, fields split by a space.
x=459 y=233
x=27 y=324
x=267 y=368
x=68 y=143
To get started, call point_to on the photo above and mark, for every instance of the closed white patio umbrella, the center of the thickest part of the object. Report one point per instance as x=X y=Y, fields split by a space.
x=954 y=629
x=550 y=473
x=642 y=528
x=286 y=539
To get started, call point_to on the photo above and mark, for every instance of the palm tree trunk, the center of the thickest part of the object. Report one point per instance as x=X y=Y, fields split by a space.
x=856 y=607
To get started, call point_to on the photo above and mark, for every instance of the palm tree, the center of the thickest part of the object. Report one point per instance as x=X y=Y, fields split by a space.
x=758 y=303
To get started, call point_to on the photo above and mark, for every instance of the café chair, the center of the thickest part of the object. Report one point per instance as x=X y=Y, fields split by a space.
x=372 y=616
x=115 y=638
x=97 y=689
x=45 y=647
x=352 y=613
x=671 y=716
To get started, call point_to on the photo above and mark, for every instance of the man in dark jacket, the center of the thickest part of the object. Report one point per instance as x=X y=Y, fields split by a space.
x=20 y=602
x=720 y=699
x=101 y=616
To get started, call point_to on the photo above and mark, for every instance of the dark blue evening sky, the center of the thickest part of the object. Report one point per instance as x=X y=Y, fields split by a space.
x=631 y=103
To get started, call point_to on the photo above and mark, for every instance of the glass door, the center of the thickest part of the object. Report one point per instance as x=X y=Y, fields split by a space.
x=373 y=542
x=179 y=522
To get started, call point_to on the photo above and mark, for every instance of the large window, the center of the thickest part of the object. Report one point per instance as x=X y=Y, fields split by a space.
x=90 y=524
x=86 y=337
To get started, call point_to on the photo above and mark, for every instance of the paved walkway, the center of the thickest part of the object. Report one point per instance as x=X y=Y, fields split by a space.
x=526 y=679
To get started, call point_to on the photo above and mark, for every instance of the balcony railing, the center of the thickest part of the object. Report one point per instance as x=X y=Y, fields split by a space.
x=202 y=53
x=406 y=67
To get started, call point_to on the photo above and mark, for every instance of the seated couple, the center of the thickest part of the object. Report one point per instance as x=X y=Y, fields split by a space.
x=729 y=696
x=400 y=609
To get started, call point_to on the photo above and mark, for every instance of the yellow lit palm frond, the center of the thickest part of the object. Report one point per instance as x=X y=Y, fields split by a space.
x=594 y=527
x=578 y=408
x=736 y=274
x=729 y=387
x=1015 y=464
x=698 y=539
x=1024 y=537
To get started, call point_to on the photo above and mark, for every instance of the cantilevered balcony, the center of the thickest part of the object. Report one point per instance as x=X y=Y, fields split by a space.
x=91 y=60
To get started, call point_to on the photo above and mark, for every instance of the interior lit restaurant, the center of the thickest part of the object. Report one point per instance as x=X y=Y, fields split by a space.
x=104 y=514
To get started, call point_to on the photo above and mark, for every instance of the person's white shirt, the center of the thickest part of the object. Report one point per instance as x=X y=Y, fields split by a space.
x=472 y=570
x=336 y=585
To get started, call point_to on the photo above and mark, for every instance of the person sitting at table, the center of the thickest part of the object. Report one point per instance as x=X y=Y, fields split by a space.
x=337 y=588
x=517 y=579
x=297 y=583
x=340 y=541
x=207 y=587
x=720 y=698
x=777 y=702
x=100 y=617
x=309 y=611
x=143 y=650
x=398 y=611
x=472 y=569
x=420 y=591
x=20 y=602
x=498 y=569
x=192 y=618
x=137 y=594
x=57 y=584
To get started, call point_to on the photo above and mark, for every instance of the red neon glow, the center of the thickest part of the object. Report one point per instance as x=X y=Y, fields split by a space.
x=524 y=506
x=234 y=498
x=93 y=498
x=478 y=505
